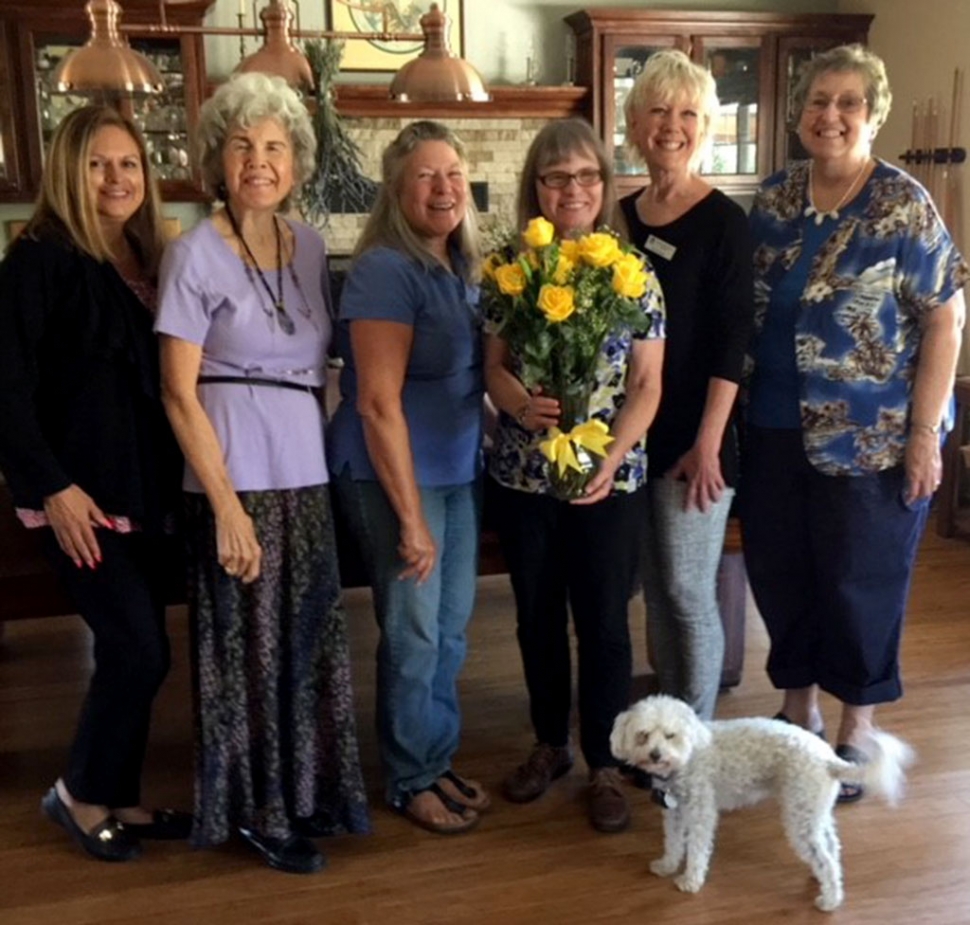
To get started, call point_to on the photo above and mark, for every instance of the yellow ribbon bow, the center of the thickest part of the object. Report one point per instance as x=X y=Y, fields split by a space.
x=559 y=448
x=594 y=436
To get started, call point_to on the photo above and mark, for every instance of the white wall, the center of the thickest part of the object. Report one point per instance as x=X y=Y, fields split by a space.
x=921 y=44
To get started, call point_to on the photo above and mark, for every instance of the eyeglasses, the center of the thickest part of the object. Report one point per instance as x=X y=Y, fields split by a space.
x=559 y=179
x=844 y=104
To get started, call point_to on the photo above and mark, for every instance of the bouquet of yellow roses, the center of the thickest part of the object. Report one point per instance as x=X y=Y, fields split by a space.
x=554 y=302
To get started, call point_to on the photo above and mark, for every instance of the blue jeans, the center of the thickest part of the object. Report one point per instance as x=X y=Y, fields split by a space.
x=422 y=627
x=685 y=636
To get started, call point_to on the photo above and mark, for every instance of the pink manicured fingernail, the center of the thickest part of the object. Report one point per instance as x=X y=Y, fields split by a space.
x=78 y=563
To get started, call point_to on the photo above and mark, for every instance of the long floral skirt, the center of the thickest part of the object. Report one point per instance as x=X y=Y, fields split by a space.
x=275 y=735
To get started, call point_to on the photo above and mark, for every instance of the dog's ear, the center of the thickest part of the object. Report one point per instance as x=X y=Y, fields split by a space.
x=619 y=744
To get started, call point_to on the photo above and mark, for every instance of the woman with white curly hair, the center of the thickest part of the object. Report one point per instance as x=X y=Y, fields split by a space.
x=245 y=329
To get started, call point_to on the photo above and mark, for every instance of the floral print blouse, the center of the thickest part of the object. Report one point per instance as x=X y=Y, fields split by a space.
x=873 y=274
x=515 y=460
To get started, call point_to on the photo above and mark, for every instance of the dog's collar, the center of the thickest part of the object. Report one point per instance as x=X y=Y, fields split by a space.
x=661 y=793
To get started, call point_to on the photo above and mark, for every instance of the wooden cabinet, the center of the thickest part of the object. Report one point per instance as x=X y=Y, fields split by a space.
x=35 y=35
x=754 y=58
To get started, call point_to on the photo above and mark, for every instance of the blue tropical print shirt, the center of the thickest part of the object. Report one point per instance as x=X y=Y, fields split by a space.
x=516 y=461
x=872 y=274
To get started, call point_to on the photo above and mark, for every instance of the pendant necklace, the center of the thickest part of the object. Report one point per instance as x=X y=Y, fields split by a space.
x=833 y=213
x=285 y=321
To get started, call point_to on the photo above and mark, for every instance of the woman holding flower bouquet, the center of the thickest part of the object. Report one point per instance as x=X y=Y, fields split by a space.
x=700 y=246
x=405 y=444
x=573 y=355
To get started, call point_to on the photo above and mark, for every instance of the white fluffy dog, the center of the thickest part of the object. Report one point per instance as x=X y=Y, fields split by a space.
x=702 y=768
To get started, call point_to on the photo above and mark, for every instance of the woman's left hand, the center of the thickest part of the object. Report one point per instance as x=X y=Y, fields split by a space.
x=924 y=465
x=601 y=484
x=701 y=469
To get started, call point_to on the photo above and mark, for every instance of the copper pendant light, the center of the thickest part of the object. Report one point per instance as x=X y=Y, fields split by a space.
x=437 y=75
x=278 y=55
x=106 y=63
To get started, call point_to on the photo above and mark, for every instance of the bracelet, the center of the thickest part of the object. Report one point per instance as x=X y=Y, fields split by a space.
x=931 y=428
x=520 y=415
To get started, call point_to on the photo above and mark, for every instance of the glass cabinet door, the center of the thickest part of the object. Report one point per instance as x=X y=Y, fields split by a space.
x=161 y=118
x=737 y=67
x=626 y=59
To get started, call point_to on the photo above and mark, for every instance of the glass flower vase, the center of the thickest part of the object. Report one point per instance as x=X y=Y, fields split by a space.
x=570 y=483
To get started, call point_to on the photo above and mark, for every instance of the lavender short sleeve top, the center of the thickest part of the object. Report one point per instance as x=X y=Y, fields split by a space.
x=271 y=438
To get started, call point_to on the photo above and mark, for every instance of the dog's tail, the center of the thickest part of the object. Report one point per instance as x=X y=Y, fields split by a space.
x=884 y=771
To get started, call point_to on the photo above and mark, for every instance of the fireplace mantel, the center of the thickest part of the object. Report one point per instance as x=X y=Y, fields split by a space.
x=371 y=101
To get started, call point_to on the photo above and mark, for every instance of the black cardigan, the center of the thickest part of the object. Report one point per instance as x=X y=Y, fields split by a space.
x=79 y=386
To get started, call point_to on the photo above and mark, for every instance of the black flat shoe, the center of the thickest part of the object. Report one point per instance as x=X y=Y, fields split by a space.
x=109 y=841
x=319 y=825
x=166 y=825
x=293 y=855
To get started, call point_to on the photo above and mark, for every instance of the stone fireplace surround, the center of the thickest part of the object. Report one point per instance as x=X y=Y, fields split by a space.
x=496 y=135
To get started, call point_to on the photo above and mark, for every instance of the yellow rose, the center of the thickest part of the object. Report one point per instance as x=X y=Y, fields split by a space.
x=510 y=278
x=491 y=262
x=564 y=266
x=556 y=302
x=629 y=277
x=599 y=249
x=569 y=248
x=539 y=233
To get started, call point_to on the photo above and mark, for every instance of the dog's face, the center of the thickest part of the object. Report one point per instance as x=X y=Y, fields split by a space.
x=658 y=734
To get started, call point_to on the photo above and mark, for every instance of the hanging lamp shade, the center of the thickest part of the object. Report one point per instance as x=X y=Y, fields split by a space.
x=437 y=74
x=279 y=56
x=106 y=63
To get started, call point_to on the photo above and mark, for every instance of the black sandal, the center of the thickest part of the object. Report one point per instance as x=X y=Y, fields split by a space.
x=850 y=793
x=478 y=800
x=820 y=732
x=469 y=817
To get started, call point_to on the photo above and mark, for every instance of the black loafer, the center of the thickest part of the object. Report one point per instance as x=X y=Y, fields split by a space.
x=166 y=825
x=109 y=841
x=293 y=855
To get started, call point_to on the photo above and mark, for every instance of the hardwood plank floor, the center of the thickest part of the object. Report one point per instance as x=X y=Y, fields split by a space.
x=533 y=864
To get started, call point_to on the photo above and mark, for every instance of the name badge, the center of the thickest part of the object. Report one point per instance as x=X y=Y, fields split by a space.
x=660 y=247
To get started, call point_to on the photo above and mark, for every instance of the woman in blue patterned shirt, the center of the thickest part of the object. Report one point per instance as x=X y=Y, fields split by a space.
x=859 y=308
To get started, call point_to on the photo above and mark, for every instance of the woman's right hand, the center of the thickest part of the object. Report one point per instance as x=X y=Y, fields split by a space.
x=540 y=412
x=73 y=515
x=238 y=549
x=417 y=549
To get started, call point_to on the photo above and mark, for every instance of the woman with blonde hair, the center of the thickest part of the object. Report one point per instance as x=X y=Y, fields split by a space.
x=405 y=447
x=698 y=242
x=89 y=457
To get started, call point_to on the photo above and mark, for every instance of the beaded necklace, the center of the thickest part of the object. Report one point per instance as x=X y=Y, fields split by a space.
x=285 y=321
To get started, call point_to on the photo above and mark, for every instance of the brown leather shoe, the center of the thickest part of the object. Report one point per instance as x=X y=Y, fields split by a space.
x=531 y=779
x=609 y=810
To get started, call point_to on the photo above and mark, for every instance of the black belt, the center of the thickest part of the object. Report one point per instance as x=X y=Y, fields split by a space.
x=252 y=380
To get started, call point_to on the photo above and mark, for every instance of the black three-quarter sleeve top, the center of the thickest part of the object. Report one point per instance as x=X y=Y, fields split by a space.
x=703 y=262
x=80 y=399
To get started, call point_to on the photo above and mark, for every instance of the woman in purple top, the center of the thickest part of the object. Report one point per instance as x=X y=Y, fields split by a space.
x=405 y=445
x=245 y=330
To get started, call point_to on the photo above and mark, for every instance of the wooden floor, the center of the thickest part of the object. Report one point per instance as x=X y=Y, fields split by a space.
x=535 y=864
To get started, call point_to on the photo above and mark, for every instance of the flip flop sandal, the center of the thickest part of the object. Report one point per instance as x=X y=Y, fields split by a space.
x=470 y=798
x=850 y=793
x=820 y=732
x=469 y=817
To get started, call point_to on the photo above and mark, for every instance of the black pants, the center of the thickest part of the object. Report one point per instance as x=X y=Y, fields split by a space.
x=587 y=556
x=123 y=603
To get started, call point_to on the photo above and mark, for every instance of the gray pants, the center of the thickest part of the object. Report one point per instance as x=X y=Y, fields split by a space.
x=685 y=636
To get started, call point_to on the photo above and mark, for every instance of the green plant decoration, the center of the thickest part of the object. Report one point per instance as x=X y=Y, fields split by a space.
x=337 y=184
